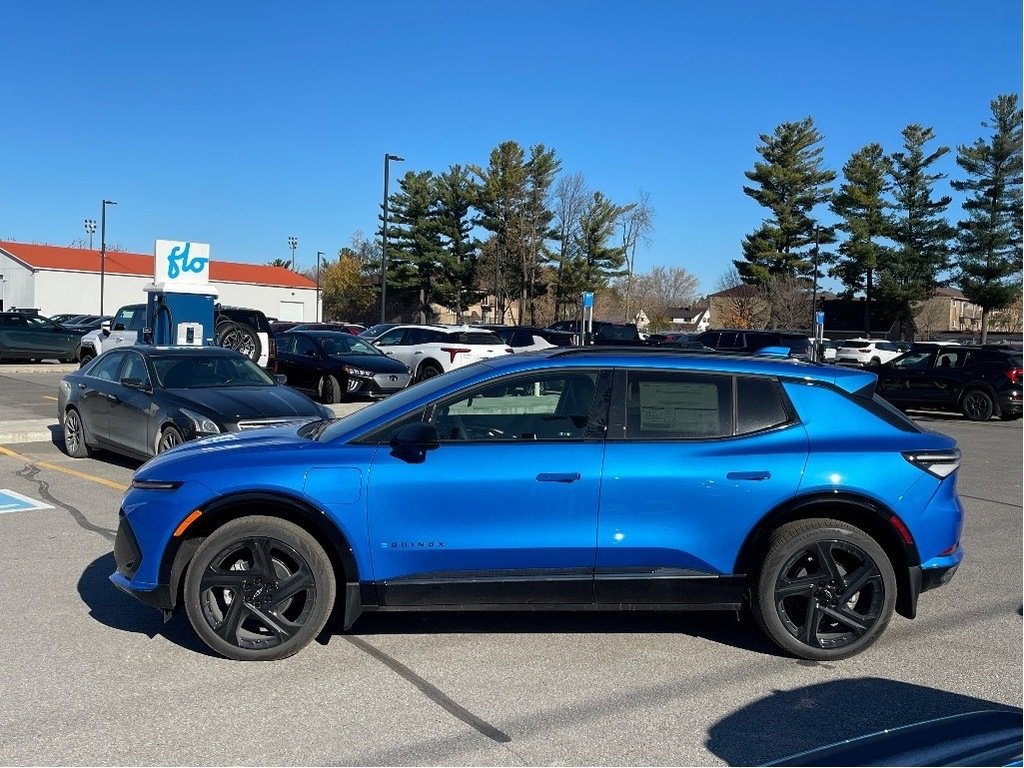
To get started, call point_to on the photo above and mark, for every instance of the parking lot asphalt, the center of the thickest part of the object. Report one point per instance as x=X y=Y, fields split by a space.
x=92 y=677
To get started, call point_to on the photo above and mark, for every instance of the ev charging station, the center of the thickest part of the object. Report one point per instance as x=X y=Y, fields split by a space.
x=180 y=301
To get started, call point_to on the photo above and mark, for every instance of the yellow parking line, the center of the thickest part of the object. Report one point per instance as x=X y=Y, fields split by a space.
x=65 y=470
x=49 y=397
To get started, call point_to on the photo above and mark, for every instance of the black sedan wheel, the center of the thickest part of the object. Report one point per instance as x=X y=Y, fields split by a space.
x=169 y=437
x=826 y=590
x=329 y=389
x=259 y=589
x=977 y=405
x=74 y=435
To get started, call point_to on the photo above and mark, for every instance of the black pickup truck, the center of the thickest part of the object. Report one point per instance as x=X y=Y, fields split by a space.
x=604 y=333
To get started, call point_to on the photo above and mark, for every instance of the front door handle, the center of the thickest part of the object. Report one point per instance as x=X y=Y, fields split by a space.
x=558 y=477
x=757 y=474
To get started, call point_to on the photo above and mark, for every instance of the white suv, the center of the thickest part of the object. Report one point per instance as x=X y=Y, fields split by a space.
x=121 y=331
x=866 y=352
x=430 y=350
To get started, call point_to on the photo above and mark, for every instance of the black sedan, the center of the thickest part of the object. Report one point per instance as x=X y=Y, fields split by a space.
x=336 y=365
x=141 y=400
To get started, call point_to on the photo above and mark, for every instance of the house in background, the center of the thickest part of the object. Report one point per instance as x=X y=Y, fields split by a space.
x=695 y=319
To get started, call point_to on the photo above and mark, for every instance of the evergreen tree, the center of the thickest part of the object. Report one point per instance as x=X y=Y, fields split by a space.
x=456 y=285
x=599 y=261
x=414 y=237
x=989 y=239
x=920 y=231
x=541 y=169
x=501 y=194
x=790 y=183
x=860 y=203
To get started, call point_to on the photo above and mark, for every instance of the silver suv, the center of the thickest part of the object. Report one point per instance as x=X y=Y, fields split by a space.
x=123 y=330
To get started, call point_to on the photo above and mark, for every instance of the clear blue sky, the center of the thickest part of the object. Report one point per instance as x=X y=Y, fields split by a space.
x=241 y=123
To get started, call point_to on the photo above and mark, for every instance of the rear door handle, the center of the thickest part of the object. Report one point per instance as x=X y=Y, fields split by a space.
x=757 y=474
x=558 y=477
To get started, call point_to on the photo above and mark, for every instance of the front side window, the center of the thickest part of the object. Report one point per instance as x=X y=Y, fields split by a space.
x=392 y=338
x=539 y=406
x=108 y=367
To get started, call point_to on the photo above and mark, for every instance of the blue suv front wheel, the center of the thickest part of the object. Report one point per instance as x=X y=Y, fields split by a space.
x=259 y=589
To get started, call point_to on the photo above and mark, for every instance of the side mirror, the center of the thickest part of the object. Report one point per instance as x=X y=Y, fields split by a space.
x=412 y=442
x=134 y=384
x=280 y=378
x=105 y=327
x=119 y=327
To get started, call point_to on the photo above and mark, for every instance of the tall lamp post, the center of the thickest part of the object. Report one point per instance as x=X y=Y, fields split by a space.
x=319 y=254
x=814 y=298
x=90 y=229
x=103 y=247
x=384 y=239
x=293 y=243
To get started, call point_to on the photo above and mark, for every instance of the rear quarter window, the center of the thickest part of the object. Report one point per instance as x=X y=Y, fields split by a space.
x=760 y=405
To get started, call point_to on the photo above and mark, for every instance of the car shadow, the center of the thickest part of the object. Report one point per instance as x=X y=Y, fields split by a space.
x=817 y=715
x=57 y=438
x=113 y=608
x=722 y=627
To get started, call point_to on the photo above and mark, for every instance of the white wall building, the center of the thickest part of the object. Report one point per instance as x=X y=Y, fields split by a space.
x=53 y=279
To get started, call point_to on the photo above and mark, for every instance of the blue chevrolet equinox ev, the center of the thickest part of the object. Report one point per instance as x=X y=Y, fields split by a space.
x=570 y=479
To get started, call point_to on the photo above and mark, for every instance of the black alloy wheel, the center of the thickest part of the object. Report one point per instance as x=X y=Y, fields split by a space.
x=169 y=437
x=240 y=337
x=428 y=370
x=258 y=589
x=826 y=590
x=74 y=435
x=329 y=389
x=977 y=405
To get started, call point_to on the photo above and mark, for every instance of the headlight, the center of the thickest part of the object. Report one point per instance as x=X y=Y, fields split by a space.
x=65 y=388
x=203 y=424
x=156 y=485
x=353 y=371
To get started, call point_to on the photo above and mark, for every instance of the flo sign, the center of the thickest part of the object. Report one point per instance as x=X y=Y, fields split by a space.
x=181 y=263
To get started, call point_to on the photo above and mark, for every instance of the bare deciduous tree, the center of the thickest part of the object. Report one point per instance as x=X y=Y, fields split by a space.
x=637 y=221
x=789 y=302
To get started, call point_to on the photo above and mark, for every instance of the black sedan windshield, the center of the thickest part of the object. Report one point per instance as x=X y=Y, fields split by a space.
x=339 y=345
x=176 y=372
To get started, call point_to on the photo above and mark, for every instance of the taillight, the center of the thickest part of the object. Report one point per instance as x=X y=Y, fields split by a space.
x=453 y=351
x=1015 y=375
x=937 y=463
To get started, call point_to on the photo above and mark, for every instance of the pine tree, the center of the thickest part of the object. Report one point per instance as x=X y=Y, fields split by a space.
x=921 y=233
x=414 y=259
x=460 y=253
x=860 y=203
x=790 y=183
x=989 y=240
x=599 y=261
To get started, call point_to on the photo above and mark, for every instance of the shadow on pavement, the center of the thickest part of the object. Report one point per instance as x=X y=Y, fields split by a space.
x=787 y=722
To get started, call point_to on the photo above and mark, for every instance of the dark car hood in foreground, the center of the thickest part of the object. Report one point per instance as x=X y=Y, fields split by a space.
x=234 y=403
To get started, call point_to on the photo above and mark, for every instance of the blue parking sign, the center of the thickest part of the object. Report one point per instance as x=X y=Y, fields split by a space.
x=588 y=299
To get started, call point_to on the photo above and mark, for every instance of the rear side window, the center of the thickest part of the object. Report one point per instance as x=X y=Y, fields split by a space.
x=759 y=405
x=669 y=405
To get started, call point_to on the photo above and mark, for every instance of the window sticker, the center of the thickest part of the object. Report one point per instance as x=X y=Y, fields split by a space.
x=678 y=407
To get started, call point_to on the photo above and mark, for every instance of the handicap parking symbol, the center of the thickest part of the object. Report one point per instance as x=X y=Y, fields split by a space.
x=15 y=502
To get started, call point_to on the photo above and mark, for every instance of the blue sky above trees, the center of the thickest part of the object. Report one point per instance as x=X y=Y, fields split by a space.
x=240 y=124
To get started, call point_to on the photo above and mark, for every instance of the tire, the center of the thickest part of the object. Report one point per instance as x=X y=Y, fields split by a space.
x=977 y=405
x=805 y=599
x=875 y=361
x=233 y=589
x=85 y=358
x=74 y=435
x=329 y=389
x=169 y=437
x=428 y=370
x=240 y=337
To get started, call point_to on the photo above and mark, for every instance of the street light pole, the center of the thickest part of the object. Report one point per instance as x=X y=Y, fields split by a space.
x=103 y=247
x=384 y=240
x=318 y=255
x=293 y=243
x=814 y=298
x=90 y=228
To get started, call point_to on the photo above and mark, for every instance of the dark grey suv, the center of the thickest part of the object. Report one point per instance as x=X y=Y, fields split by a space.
x=751 y=341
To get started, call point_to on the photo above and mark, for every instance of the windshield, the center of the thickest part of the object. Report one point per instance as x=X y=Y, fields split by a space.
x=338 y=345
x=179 y=372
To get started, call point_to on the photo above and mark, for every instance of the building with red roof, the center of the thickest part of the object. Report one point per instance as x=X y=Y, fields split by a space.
x=54 y=279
